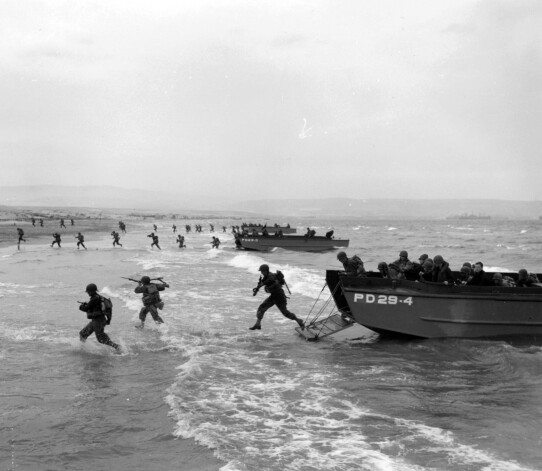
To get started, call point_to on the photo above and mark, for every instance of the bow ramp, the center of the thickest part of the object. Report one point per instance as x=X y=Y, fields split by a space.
x=321 y=328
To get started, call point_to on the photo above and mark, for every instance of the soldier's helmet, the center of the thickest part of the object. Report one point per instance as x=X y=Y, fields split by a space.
x=91 y=288
x=263 y=267
x=438 y=259
x=145 y=280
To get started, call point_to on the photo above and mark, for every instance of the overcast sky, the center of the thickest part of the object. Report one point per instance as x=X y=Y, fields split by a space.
x=281 y=98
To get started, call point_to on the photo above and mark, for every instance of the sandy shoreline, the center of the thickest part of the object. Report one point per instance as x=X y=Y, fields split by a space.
x=92 y=223
x=92 y=229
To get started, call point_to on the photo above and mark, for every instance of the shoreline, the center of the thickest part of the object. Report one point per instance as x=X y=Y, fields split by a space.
x=92 y=229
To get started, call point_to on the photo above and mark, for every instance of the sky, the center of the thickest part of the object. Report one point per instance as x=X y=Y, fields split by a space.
x=249 y=99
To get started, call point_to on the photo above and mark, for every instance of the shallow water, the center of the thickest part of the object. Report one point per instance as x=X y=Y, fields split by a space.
x=204 y=392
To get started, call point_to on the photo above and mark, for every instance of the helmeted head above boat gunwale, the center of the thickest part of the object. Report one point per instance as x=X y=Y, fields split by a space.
x=428 y=265
x=341 y=256
x=403 y=253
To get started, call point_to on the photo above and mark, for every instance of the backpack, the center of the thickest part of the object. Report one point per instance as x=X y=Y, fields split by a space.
x=280 y=277
x=107 y=308
x=152 y=296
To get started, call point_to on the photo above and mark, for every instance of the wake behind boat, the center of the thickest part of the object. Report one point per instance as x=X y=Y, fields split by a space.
x=436 y=310
x=290 y=242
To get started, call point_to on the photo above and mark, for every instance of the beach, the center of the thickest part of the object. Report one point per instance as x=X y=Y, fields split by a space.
x=203 y=392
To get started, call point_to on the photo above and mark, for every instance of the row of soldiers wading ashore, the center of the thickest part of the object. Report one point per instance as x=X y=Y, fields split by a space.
x=99 y=309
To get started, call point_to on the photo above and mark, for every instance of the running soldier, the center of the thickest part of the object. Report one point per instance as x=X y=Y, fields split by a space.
x=154 y=240
x=98 y=320
x=116 y=238
x=151 y=300
x=276 y=298
x=21 y=237
x=57 y=240
x=80 y=240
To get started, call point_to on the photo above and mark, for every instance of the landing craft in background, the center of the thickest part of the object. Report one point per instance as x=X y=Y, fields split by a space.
x=291 y=242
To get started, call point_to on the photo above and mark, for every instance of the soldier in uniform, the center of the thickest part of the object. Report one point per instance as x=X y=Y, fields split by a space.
x=276 y=298
x=151 y=300
x=98 y=321
x=21 y=237
x=57 y=240
x=352 y=266
x=80 y=240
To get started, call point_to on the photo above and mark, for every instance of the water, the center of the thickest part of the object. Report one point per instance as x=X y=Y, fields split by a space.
x=203 y=392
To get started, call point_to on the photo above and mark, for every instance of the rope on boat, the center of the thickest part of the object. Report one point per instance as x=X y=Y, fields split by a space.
x=317 y=299
x=322 y=309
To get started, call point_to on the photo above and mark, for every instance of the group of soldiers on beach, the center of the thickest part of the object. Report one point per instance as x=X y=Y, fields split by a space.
x=437 y=270
x=57 y=237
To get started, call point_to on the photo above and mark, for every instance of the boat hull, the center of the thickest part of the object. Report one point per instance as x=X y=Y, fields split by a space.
x=434 y=310
x=298 y=243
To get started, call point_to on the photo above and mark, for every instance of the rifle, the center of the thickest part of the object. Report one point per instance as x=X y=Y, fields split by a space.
x=161 y=279
x=255 y=290
x=131 y=279
x=286 y=284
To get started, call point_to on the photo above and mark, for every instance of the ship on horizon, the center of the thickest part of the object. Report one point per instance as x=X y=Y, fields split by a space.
x=469 y=216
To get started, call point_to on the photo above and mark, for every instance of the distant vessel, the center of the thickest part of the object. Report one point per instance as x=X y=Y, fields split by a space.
x=469 y=216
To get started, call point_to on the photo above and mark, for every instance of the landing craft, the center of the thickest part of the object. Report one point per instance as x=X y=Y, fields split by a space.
x=291 y=242
x=436 y=310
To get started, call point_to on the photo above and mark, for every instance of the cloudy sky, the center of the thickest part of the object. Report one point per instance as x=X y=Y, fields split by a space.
x=280 y=98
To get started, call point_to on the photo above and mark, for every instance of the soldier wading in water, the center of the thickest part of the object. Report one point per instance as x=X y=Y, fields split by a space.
x=276 y=298
x=98 y=320
x=151 y=300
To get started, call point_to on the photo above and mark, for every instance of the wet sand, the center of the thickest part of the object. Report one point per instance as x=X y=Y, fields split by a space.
x=93 y=224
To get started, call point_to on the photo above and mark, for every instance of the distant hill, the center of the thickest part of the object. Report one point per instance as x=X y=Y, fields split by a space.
x=158 y=201
x=102 y=197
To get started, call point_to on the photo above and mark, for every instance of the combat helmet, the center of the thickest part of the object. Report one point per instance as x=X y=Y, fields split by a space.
x=341 y=255
x=91 y=288
x=145 y=280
